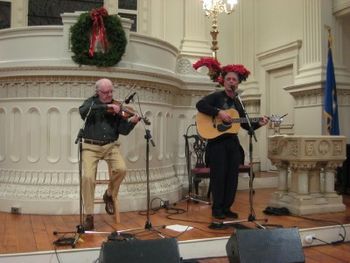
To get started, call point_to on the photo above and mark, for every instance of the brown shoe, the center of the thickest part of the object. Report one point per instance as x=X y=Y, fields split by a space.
x=109 y=203
x=89 y=222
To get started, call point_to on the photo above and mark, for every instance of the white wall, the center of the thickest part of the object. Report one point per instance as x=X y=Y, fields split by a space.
x=278 y=22
x=174 y=21
x=346 y=41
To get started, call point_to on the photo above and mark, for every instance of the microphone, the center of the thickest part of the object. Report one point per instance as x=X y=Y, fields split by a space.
x=127 y=101
x=238 y=92
x=235 y=90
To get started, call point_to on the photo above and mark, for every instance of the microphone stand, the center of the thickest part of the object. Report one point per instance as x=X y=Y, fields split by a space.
x=79 y=141
x=79 y=228
x=148 y=138
x=148 y=223
x=251 y=132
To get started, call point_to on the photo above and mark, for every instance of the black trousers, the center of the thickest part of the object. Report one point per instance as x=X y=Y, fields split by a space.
x=224 y=158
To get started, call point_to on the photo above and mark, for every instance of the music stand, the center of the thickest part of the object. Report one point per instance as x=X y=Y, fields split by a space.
x=190 y=195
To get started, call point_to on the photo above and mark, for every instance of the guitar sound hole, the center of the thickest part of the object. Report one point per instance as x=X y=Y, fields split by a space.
x=222 y=128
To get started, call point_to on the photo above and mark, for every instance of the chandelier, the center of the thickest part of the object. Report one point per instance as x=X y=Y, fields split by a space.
x=212 y=8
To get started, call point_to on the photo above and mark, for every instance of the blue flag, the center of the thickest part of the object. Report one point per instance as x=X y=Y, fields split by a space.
x=330 y=99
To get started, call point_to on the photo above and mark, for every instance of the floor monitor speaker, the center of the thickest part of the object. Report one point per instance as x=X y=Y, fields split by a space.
x=280 y=245
x=135 y=251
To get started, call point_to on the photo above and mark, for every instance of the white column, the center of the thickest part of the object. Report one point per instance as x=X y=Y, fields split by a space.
x=144 y=17
x=313 y=56
x=303 y=184
x=111 y=6
x=244 y=45
x=68 y=20
x=157 y=22
x=329 y=181
x=19 y=13
x=282 y=177
x=314 y=181
x=312 y=33
x=311 y=51
x=248 y=41
x=341 y=71
x=196 y=34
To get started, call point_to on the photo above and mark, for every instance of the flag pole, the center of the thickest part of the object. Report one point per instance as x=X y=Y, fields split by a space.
x=330 y=38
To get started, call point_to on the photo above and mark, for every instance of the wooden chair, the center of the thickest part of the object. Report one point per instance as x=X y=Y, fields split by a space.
x=244 y=168
x=201 y=171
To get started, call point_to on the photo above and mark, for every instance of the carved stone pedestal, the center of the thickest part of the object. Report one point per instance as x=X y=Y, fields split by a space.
x=307 y=167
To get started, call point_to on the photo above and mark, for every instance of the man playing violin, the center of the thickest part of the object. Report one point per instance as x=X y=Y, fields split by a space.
x=224 y=150
x=104 y=122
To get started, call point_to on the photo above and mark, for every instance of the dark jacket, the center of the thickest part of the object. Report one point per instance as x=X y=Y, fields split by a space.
x=100 y=124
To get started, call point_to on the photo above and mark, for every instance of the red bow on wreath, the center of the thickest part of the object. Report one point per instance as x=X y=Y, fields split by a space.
x=98 y=35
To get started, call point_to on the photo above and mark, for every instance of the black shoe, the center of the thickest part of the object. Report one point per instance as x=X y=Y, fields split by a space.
x=109 y=203
x=89 y=222
x=218 y=215
x=231 y=214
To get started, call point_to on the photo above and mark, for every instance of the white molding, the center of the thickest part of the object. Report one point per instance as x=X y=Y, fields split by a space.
x=35 y=31
x=57 y=191
x=280 y=56
x=341 y=8
x=195 y=42
x=154 y=42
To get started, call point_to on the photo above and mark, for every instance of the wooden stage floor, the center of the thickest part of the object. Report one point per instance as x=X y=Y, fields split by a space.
x=30 y=233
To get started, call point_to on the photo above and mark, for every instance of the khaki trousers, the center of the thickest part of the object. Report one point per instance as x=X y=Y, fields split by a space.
x=91 y=155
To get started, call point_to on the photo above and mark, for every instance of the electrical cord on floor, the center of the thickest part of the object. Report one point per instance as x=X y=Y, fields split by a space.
x=162 y=204
x=56 y=253
x=339 y=241
x=325 y=242
x=174 y=210
x=64 y=241
x=343 y=237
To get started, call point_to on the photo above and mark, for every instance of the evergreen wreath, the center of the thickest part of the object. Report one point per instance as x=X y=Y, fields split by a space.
x=80 y=41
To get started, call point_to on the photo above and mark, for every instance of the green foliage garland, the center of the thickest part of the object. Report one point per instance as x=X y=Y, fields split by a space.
x=80 y=41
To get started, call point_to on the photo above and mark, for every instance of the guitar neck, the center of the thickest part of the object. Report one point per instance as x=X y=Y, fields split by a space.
x=244 y=120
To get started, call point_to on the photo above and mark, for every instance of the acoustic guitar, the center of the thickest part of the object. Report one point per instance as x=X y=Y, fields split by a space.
x=210 y=127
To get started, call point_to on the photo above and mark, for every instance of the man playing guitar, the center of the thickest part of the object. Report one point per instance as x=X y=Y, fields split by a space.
x=223 y=145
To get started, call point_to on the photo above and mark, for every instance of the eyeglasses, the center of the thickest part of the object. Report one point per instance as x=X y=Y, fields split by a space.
x=106 y=92
x=231 y=79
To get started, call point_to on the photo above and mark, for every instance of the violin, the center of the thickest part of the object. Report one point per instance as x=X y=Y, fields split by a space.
x=126 y=112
